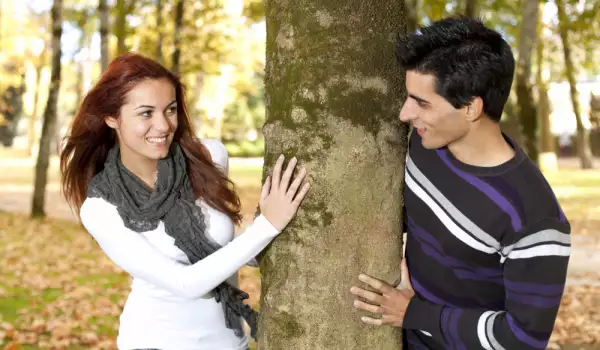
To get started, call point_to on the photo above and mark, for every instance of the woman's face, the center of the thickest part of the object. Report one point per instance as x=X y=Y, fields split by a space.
x=147 y=121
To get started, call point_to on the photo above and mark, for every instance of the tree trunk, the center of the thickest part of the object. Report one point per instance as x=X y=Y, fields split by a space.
x=471 y=8
x=103 y=15
x=159 y=30
x=177 y=33
x=123 y=9
x=584 y=150
x=31 y=137
x=547 y=158
x=48 y=129
x=526 y=105
x=1 y=37
x=333 y=94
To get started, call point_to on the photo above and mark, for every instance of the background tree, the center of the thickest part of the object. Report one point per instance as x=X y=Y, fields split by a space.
x=583 y=135
x=50 y=114
x=524 y=87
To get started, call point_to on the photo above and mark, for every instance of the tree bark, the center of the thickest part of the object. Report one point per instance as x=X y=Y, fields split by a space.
x=49 y=126
x=177 y=41
x=333 y=94
x=584 y=150
x=547 y=159
x=526 y=105
x=159 y=30
x=103 y=16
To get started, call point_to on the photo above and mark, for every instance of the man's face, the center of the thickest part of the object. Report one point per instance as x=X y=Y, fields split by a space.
x=433 y=117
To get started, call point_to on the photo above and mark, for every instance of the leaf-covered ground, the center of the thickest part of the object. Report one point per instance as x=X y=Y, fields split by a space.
x=59 y=291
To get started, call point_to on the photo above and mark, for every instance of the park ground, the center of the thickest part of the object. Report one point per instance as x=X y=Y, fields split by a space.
x=58 y=290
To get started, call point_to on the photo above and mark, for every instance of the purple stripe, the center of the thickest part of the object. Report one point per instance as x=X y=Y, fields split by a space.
x=532 y=300
x=426 y=294
x=446 y=314
x=415 y=345
x=426 y=236
x=509 y=192
x=437 y=253
x=462 y=274
x=535 y=288
x=524 y=337
x=487 y=189
x=454 y=328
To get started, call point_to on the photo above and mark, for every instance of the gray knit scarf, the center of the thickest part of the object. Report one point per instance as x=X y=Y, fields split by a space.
x=173 y=202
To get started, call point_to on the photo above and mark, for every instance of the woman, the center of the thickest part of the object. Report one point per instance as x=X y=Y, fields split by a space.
x=159 y=203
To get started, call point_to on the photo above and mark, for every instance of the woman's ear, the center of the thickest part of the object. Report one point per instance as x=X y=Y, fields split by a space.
x=111 y=122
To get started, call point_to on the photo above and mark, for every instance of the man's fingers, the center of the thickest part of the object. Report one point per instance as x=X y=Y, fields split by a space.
x=368 y=307
x=377 y=284
x=373 y=321
x=374 y=297
x=384 y=320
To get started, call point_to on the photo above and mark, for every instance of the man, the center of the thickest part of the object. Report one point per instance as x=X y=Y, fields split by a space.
x=487 y=242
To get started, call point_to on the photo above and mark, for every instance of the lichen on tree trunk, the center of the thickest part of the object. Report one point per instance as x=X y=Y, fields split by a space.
x=333 y=94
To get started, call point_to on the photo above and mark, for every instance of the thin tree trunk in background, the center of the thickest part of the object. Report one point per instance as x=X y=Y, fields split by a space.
x=103 y=16
x=32 y=134
x=159 y=30
x=471 y=8
x=50 y=116
x=177 y=41
x=584 y=150
x=333 y=94
x=1 y=1
x=526 y=105
x=547 y=158
x=412 y=15
x=124 y=8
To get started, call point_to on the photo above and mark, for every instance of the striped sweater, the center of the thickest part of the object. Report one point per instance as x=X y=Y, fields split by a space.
x=487 y=251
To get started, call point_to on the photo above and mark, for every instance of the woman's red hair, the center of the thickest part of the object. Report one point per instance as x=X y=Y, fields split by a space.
x=86 y=147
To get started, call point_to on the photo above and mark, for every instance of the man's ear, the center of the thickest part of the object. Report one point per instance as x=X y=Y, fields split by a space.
x=475 y=109
x=111 y=122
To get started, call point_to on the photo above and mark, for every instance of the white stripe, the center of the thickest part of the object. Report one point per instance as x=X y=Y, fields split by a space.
x=458 y=216
x=544 y=236
x=427 y=333
x=481 y=330
x=441 y=214
x=541 y=250
x=490 y=331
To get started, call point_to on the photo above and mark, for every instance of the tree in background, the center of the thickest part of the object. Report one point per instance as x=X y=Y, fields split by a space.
x=524 y=87
x=50 y=115
x=584 y=150
x=333 y=94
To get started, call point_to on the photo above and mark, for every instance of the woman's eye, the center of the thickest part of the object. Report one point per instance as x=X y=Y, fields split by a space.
x=172 y=110
x=146 y=114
